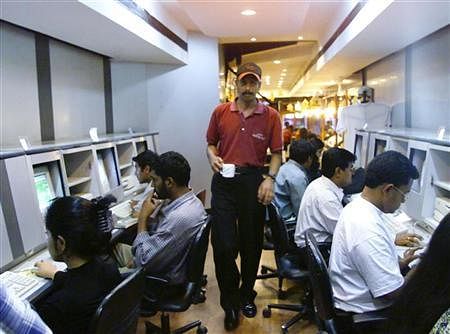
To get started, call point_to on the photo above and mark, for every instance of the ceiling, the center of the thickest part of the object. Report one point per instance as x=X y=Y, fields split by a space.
x=308 y=24
x=314 y=22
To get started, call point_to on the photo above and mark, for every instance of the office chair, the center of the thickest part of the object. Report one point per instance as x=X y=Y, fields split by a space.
x=269 y=272
x=289 y=267
x=119 y=311
x=332 y=322
x=181 y=300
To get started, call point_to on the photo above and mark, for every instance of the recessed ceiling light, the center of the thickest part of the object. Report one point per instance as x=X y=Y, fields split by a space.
x=221 y=73
x=284 y=70
x=253 y=39
x=300 y=38
x=283 y=74
x=248 y=12
x=277 y=61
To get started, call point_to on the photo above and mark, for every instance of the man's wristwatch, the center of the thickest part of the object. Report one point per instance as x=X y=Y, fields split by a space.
x=272 y=176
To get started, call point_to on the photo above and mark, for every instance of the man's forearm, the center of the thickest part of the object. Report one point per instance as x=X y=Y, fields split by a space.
x=275 y=163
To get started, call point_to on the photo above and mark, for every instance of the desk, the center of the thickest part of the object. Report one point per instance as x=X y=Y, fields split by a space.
x=43 y=286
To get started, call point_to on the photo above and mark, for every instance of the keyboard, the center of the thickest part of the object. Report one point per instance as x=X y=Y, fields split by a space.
x=398 y=222
x=122 y=210
x=125 y=222
x=22 y=284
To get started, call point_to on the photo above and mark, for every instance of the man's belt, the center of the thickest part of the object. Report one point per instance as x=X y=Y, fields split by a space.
x=244 y=170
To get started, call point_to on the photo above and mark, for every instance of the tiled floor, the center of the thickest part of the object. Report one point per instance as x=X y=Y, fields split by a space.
x=211 y=314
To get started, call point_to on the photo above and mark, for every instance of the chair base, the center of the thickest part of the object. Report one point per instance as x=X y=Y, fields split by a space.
x=151 y=328
x=301 y=310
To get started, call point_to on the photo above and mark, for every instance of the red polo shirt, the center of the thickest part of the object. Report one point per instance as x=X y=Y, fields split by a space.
x=244 y=141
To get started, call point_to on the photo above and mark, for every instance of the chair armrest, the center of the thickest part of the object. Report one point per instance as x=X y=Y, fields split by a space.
x=156 y=279
x=374 y=316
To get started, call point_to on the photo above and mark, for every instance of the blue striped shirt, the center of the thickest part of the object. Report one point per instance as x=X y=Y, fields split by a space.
x=163 y=250
x=17 y=316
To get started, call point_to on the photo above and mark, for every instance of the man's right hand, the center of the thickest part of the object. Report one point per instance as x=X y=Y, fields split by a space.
x=216 y=163
x=148 y=206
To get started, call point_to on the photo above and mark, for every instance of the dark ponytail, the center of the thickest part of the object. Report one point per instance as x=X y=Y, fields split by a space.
x=85 y=225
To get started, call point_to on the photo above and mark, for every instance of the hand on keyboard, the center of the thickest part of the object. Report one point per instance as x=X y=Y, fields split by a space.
x=408 y=256
x=408 y=239
x=46 y=269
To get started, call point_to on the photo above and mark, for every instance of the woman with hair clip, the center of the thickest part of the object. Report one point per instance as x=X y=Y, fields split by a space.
x=423 y=305
x=76 y=236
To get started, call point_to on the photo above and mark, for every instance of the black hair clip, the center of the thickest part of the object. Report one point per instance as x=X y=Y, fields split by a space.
x=104 y=215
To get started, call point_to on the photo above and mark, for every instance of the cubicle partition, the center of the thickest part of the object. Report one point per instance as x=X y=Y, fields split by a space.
x=429 y=198
x=30 y=179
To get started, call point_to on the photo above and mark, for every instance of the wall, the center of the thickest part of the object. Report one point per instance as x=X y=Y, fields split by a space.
x=430 y=81
x=176 y=101
x=181 y=100
x=388 y=79
x=19 y=109
x=416 y=82
x=77 y=89
x=129 y=94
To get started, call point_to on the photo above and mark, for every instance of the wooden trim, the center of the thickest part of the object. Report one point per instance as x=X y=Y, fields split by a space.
x=154 y=23
x=44 y=86
x=333 y=37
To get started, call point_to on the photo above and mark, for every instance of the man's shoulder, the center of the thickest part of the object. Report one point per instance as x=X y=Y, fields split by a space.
x=222 y=107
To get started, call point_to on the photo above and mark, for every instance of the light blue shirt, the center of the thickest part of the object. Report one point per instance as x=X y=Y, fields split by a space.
x=290 y=184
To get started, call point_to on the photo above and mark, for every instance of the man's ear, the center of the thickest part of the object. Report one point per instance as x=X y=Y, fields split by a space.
x=169 y=181
x=387 y=187
x=147 y=169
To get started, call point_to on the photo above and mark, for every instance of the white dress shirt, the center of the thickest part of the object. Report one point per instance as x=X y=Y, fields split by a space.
x=363 y=263
x=319 y=210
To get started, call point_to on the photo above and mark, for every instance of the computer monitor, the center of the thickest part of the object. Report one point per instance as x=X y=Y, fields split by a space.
x=417 y=158
x=44 y=187
x=380 y=146
x=104 y=182
x=358 y=151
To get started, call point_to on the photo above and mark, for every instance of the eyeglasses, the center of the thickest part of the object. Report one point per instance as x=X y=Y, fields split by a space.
x=405 y=196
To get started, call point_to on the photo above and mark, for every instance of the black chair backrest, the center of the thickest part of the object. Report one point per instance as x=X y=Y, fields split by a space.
x=119 y=311
x=279 y=232
x=197 y=253
x=320 y=280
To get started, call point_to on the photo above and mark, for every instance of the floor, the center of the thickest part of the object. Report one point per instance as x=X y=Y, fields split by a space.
x=211 y=314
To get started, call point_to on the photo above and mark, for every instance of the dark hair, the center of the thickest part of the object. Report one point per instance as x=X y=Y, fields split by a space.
x=390 y=167
x=336 y=157
x=146 y=158
x=303 y=133
x=286 y=123
x=316 y=142
x=426 y=296
x=300 y=150
x=173 y=164
x=77 y=220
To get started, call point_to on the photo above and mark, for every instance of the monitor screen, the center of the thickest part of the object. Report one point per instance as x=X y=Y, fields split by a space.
x=104 y=182
x=380 y=147
x=417 y=158
x=44 y=187
x=358 y=150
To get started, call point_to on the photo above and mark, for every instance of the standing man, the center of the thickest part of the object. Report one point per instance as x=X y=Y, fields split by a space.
x=239 y=133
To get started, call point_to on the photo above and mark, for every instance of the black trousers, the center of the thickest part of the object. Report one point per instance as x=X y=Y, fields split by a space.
x=237 y=227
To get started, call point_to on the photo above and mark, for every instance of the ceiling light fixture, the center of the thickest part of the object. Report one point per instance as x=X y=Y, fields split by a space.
x=283 y=74
x=284 y=70
x=253 y=39
x=277 y=61
x=248 y=12
x=300 y=38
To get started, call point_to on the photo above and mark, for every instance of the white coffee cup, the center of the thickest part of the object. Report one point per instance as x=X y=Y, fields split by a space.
x=228 y=170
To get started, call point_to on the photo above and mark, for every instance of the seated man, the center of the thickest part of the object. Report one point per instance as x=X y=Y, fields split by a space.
x=322 y=201
x=143 y=163
x=365 y=272
x=318 y=145
x=292 y=178
x=168 y=225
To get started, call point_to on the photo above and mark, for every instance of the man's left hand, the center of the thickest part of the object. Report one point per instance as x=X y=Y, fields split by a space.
x=265 y=191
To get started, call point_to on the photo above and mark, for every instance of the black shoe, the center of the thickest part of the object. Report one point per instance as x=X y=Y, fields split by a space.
x=248 y=309
x=231 y=319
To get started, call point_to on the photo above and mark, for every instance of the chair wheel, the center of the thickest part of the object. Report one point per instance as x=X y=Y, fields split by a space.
x=263 y=271
x=267 y=312
x=284 y=331
x=282 y=294
x=202 y=330
x=199 y=297
x=204 y=280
